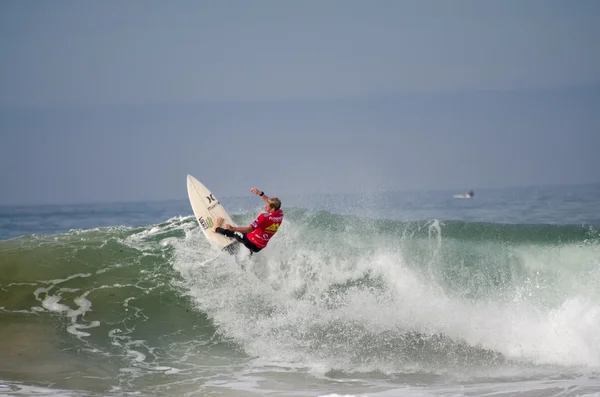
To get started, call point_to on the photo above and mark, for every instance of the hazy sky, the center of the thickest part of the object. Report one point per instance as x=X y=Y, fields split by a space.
x=119 y=100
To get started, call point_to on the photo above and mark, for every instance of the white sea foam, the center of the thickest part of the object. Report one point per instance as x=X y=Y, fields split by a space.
x=288 y=297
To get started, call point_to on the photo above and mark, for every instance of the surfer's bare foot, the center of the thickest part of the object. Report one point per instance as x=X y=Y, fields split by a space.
x=218 y=223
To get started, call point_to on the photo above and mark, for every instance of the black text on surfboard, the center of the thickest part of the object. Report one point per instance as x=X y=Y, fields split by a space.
x=205 y=224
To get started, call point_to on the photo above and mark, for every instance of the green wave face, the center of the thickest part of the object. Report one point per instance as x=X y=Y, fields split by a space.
x=344 y=293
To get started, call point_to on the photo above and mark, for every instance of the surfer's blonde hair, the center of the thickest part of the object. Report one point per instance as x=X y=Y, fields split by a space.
x=274 y=202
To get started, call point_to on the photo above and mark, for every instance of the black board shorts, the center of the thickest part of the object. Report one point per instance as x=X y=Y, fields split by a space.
x=240 y=237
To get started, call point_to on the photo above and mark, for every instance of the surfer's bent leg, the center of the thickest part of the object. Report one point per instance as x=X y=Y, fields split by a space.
x=226 y=232
x=232 y=249
x=249 y=244
x=239 y=237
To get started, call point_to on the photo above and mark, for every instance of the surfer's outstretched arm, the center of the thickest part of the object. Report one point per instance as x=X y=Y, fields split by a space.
x=260 y=193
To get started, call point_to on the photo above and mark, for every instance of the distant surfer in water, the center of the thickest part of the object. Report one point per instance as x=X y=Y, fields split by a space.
x=469 y=194
x=256 y=236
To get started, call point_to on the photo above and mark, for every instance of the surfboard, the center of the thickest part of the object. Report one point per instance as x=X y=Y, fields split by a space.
x=461 y=196
x=207 y=209
x=465 y=195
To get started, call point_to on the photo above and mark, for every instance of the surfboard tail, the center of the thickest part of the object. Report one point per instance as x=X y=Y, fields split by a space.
x=232 y=249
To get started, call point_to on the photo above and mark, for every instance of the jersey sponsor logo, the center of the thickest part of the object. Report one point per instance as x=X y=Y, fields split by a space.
x=273 y=228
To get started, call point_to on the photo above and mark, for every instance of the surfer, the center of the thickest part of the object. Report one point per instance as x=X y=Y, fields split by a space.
x=469 y=194
x=256 y=236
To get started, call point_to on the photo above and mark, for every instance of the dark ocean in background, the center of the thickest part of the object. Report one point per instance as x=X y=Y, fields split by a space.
x=390 y=294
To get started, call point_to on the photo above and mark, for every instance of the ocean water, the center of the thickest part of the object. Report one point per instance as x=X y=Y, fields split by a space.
x=390 y=294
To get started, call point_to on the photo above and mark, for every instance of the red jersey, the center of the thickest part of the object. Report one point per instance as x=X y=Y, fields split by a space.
x=264 y=227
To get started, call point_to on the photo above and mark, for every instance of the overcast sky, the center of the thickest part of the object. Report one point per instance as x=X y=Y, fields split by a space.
x=119 y=100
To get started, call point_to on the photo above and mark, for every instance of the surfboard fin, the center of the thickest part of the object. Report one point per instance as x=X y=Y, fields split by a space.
x=232 y=249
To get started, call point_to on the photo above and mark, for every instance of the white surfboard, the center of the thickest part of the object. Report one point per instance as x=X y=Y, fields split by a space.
x=207 y=209
x=461 y=196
